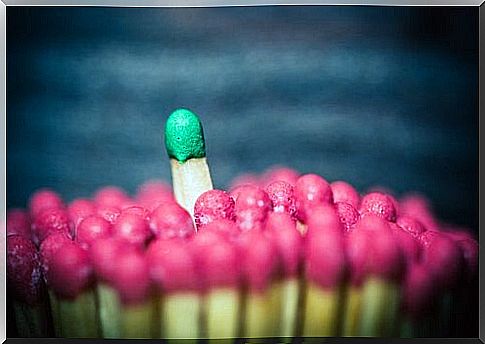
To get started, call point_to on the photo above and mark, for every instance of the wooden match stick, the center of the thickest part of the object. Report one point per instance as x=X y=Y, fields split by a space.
x=184 y=141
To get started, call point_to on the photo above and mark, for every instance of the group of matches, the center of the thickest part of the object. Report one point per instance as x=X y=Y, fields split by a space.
x=278 y=255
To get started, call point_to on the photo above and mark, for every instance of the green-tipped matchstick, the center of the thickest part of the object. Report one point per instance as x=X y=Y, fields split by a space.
x=184 y=141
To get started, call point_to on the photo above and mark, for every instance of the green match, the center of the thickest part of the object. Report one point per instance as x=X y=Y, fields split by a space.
x=184 y=138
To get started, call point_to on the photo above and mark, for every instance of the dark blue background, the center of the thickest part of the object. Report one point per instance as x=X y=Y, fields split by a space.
x=370 y=95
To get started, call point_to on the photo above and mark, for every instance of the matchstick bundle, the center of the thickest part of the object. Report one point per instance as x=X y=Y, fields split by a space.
x=278 y=255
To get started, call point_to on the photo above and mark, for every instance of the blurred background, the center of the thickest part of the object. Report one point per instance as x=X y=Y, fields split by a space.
x=371 y=95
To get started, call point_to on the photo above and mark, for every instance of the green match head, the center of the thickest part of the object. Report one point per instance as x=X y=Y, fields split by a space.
x=184 y=138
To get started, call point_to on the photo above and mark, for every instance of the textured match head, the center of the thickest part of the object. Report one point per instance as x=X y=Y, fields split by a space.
x=276 y=173
x=378 y=204
x=132 y=228
x=50 y=246
x=49 y=221
x=92 y=228
x=23 y=269
x=282 y=197
x=18 y=222
x=212 y=205
x=79 y=209
x=184 y=137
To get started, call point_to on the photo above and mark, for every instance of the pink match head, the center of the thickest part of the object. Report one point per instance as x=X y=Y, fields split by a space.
x=344 y=192
x=104 y=254
x=79 y=209
x=18 y=222
x=137 y=210
x=24 y=275
x=347 y=214
x=469 y=249
x=243 y=179
x=325 y=261
x=111 y=196
x=131 y=276
x=252 y=207
x=418 y=290
x=153 y=193
x=70 y=271
x=282 y=197
x=260 y=260
x=410 y=225
x=409 y=245
x=222 y=227
x=279 y=173
x=49 y=221
x=218 y=263
x=92 y=228
x=288 y=241
x=372 y=223
x=386 y=259
x=110 y=214
x=44 y=199
x=50 y=246
x=324 y=218
x=444 y=259
x=311 y=190
x=132 y=228
x=169 y=220
x=357 y=247
x=212 y=205
x=172 y=266
x=419 y=207
x=378 y=204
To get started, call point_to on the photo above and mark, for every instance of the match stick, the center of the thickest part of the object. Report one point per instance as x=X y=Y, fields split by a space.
x=184 y=141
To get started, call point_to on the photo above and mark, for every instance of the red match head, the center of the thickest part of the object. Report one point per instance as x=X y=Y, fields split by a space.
x=212 y=205
x=24 y=277
x=110 y=214
x=223 y=228
x=357 y=247
x=444 y=259
x=18 y=222
x=153 y=193
x=418 y=207
x=324 y=218
x=288 y=241
x=217 y=263
x=132 y=228
x=131 y=276
x=347 y=214
x=409 y=245
x=172 y=266
x=311 y=190
x=137 y=210
x=50 y=246
x=44 y=199
x=92 y=228
x=372 y=223
x=111 y=196
x=49 y=221
x=70 y=271
x=104 y=254
x=79 y=209
x=325 y=261
x=385 y=257
x=259 y=260
x=418 y=290
x=279 y=173
x=410 y=225
x=242 y=180
x=282 y=197
x=169 y=220
x=378 y=204
x=344 y=192
x=252 y=207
